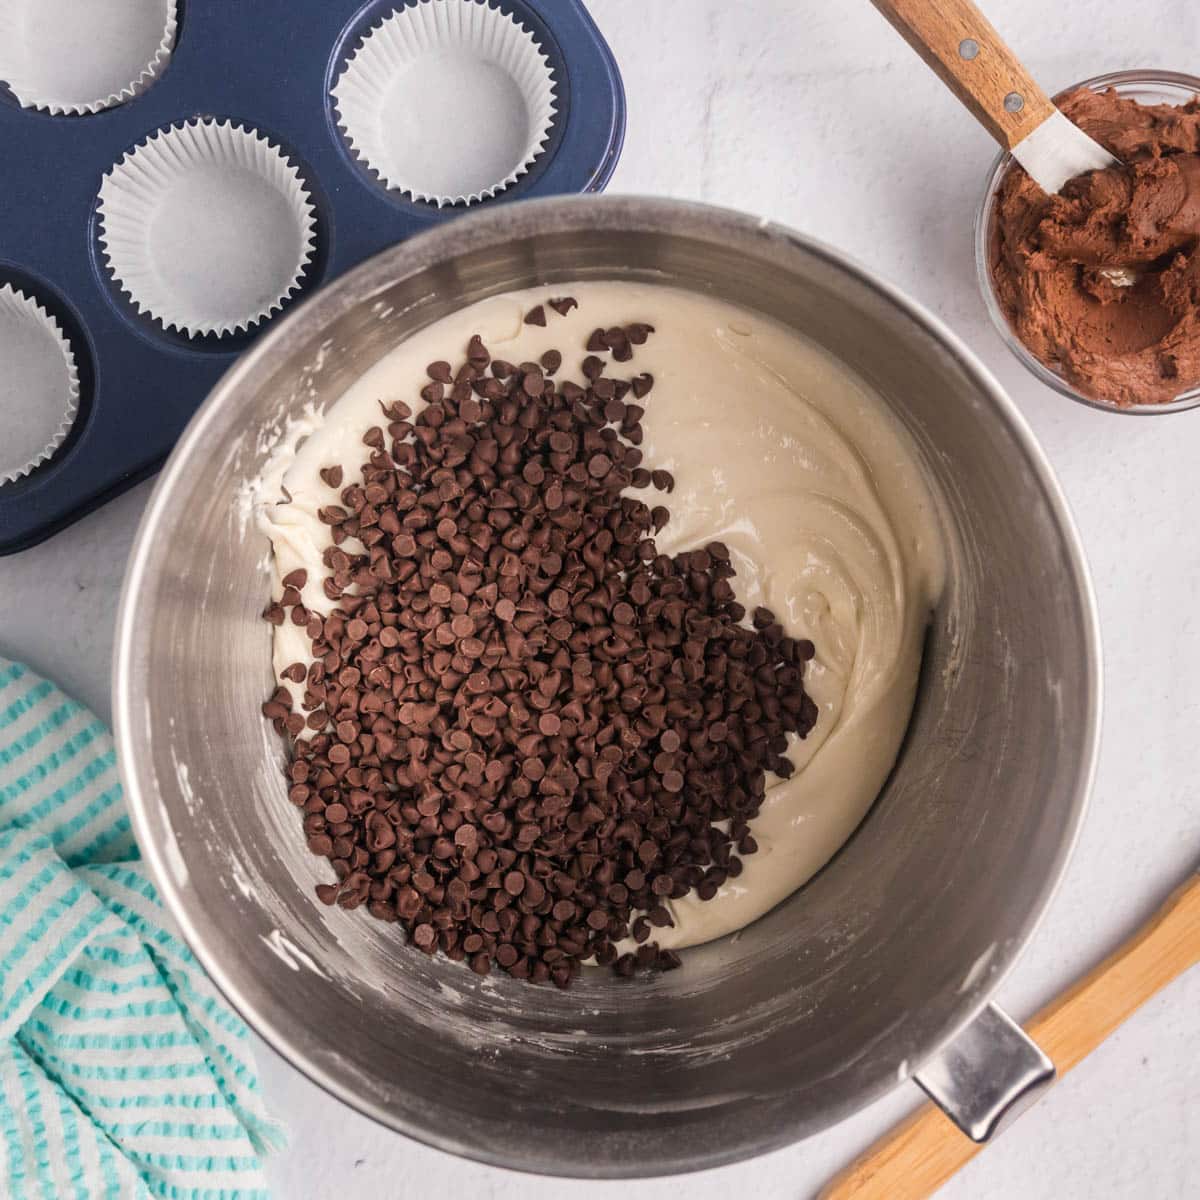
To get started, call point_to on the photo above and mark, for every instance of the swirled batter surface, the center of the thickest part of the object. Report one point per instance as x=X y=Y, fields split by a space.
x=777 y=451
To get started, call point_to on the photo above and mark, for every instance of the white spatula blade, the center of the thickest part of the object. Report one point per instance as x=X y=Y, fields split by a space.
x=1058 y=150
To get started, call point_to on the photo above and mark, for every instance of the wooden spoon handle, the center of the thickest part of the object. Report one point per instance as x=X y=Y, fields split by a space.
x=922 y=1153
x=956 y=40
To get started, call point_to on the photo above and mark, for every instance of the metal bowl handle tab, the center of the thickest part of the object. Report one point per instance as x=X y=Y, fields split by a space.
x=988 y=1076
x=917 y=1157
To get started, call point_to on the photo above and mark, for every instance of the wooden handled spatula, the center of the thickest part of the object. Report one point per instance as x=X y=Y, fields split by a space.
x=956 y=40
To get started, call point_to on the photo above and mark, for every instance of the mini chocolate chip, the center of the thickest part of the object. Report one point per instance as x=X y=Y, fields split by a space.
x=477 y=354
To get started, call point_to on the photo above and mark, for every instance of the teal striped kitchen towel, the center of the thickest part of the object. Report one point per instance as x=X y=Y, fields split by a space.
x=122 y=1071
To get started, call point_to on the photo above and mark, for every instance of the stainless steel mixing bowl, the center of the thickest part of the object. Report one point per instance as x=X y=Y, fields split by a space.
x=832 y=999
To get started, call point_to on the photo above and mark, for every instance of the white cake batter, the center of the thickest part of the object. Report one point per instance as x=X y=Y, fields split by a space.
x=778 y=452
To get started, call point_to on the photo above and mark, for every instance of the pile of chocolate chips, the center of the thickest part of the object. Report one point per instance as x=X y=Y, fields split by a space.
x=524 y=724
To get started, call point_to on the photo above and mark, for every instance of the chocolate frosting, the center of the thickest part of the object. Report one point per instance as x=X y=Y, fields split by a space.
x=1102 y=282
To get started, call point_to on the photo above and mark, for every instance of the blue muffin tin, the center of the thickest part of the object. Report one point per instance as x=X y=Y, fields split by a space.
x=268 y=65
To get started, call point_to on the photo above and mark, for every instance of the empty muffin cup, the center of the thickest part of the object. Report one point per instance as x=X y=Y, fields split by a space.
x=447 y=101
x=39 y=385
x=71 y=58
x=206 y=227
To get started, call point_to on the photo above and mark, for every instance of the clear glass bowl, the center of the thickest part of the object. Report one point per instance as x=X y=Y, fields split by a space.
x=1147 y=87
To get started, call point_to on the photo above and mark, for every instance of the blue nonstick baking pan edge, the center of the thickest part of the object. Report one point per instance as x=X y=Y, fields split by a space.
x=268 y=66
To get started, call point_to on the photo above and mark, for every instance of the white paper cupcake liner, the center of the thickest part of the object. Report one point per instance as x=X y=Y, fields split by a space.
x=448 y=101
x=206 y=227
x=73 y=57
x=39 y=385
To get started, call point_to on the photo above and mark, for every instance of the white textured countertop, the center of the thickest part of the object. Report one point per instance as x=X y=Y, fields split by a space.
x=815 y=114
